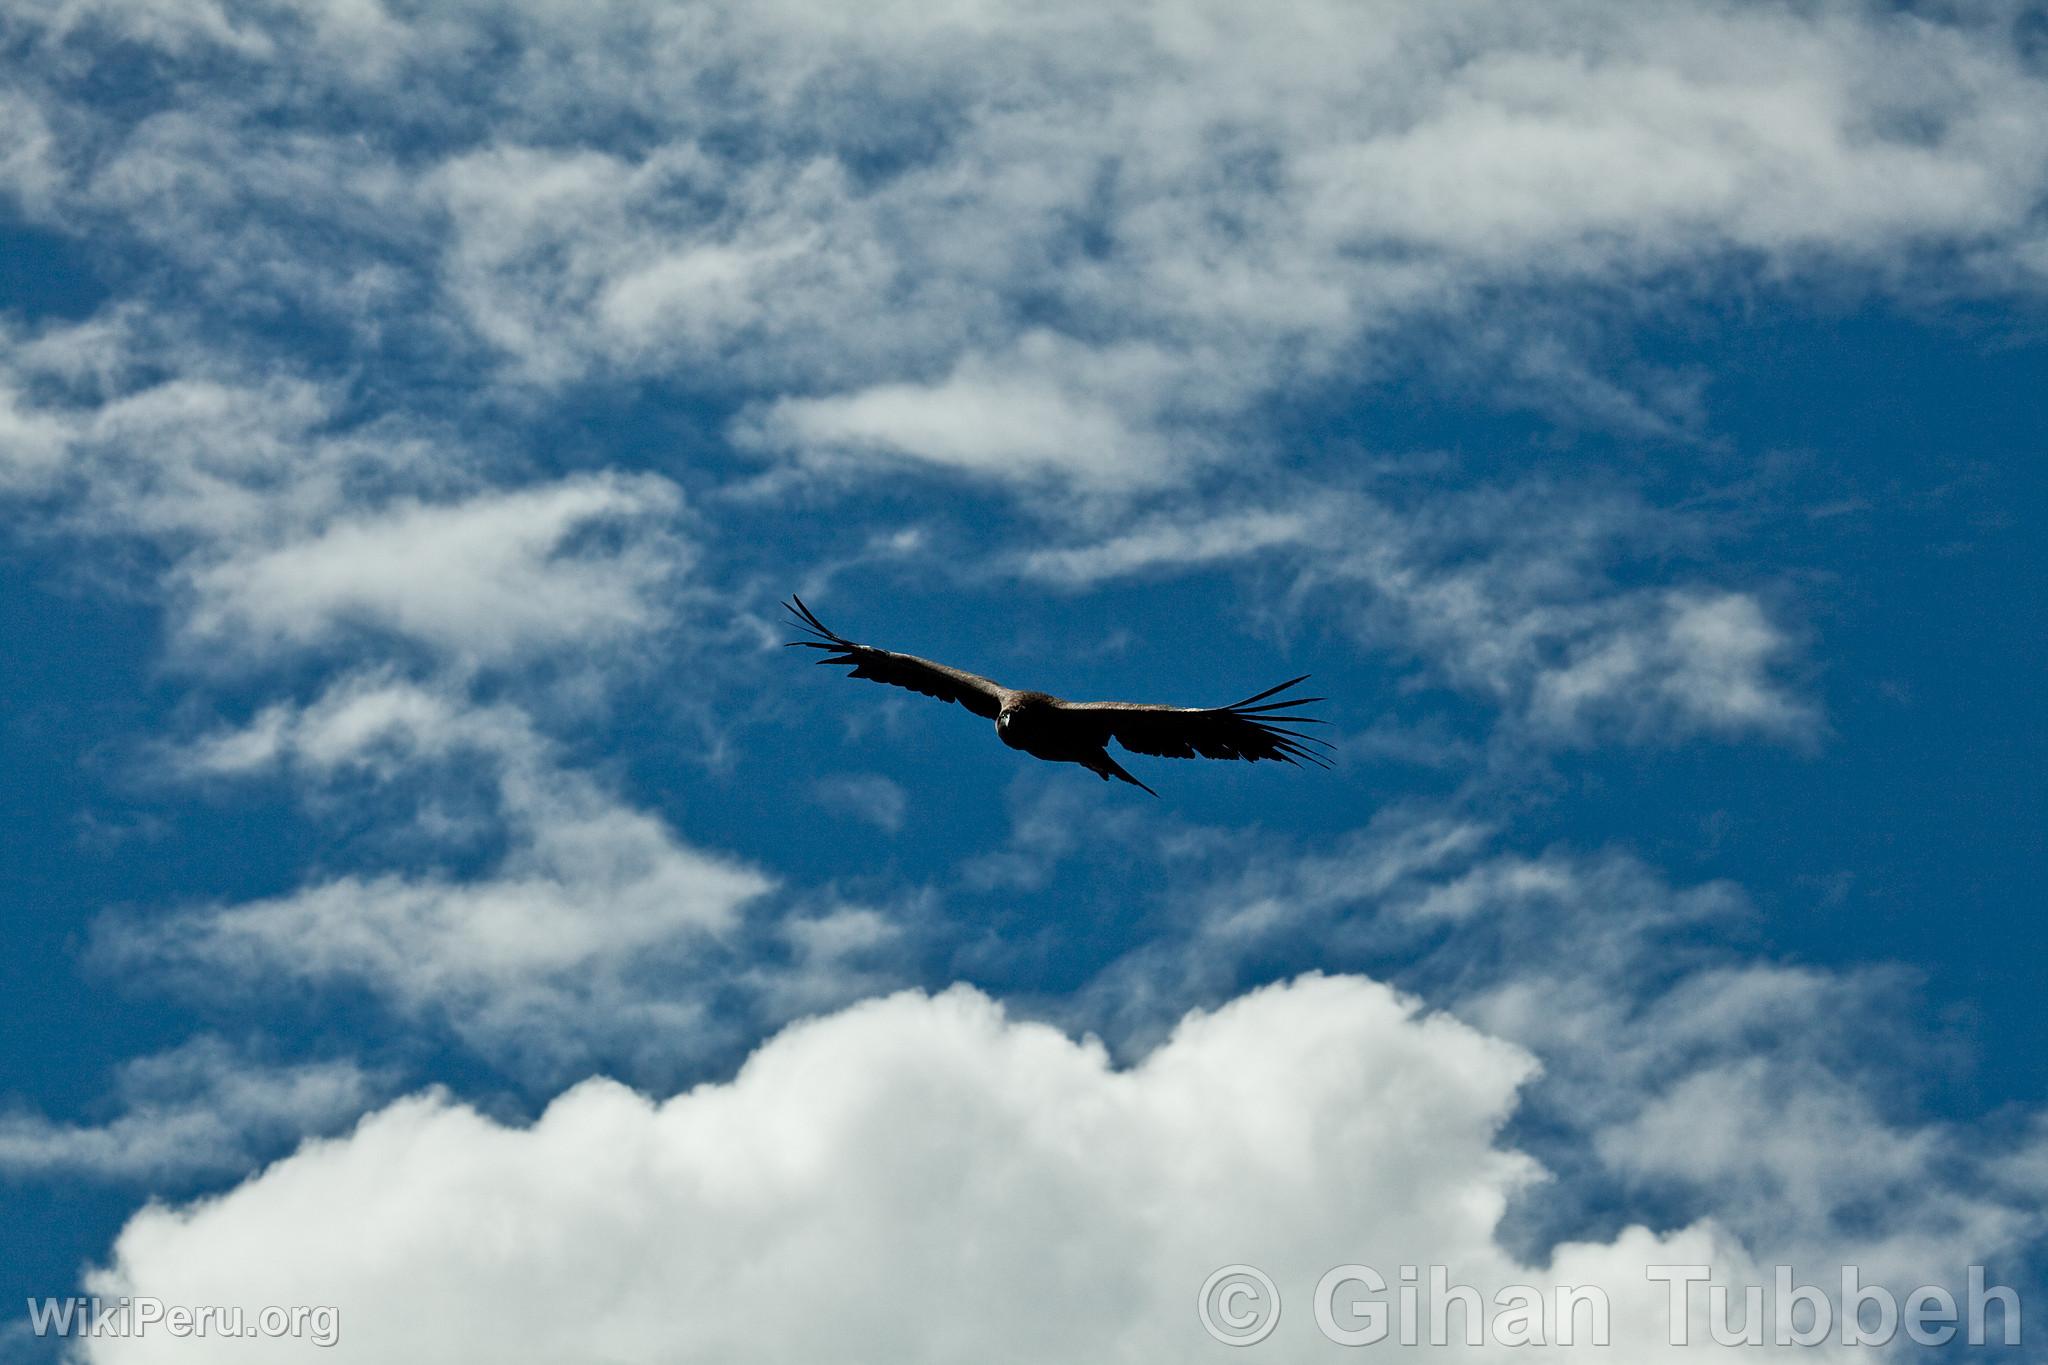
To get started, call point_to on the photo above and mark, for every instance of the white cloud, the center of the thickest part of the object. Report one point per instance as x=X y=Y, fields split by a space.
x=1704 y=659
x=587 y=933
x=371 y=721
x=27 y=173
x=1061 y=248
x=868 y=797
x=488 y=577
x=155 y=435
x=170 y=455
x=287 y=522
x=1047 y=823
x=200 y=1109
x=1514 y=593
x=32 y=443
x=1047 y=410
x=1678 y=1074
x=928 y=1179
x=1057 y=242
x=1173 y=544
x=829 y=959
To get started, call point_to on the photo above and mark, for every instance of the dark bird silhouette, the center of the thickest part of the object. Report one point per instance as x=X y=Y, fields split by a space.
x=1060 y=731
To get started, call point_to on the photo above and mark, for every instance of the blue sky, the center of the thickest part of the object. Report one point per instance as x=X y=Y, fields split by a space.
x=430 y=889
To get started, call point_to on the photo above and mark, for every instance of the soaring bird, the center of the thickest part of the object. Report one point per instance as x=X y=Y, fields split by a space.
x=1060 y=731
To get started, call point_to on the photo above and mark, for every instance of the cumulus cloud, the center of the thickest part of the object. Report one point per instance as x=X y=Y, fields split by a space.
x=201 y=1109
x=928 y=1177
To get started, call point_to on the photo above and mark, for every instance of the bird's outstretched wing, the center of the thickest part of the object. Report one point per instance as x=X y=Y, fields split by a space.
x=1240 y=730
x=971 y=690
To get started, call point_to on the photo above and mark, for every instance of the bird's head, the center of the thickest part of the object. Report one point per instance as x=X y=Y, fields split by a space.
x=1019 y=717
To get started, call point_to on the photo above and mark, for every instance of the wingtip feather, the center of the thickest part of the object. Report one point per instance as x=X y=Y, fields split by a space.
x=1261 y=696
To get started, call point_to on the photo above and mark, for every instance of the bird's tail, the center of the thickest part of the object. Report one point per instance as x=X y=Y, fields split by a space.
x=1109 y=768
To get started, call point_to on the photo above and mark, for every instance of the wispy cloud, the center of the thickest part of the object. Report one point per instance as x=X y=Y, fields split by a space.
x=554 y=951
x=285 y=521
x=202 y=1109
x=868 y=797
x=1517 y=594
x=1668 y=1053
x=1169 y=545
x=574 y=562
x=896 y=249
